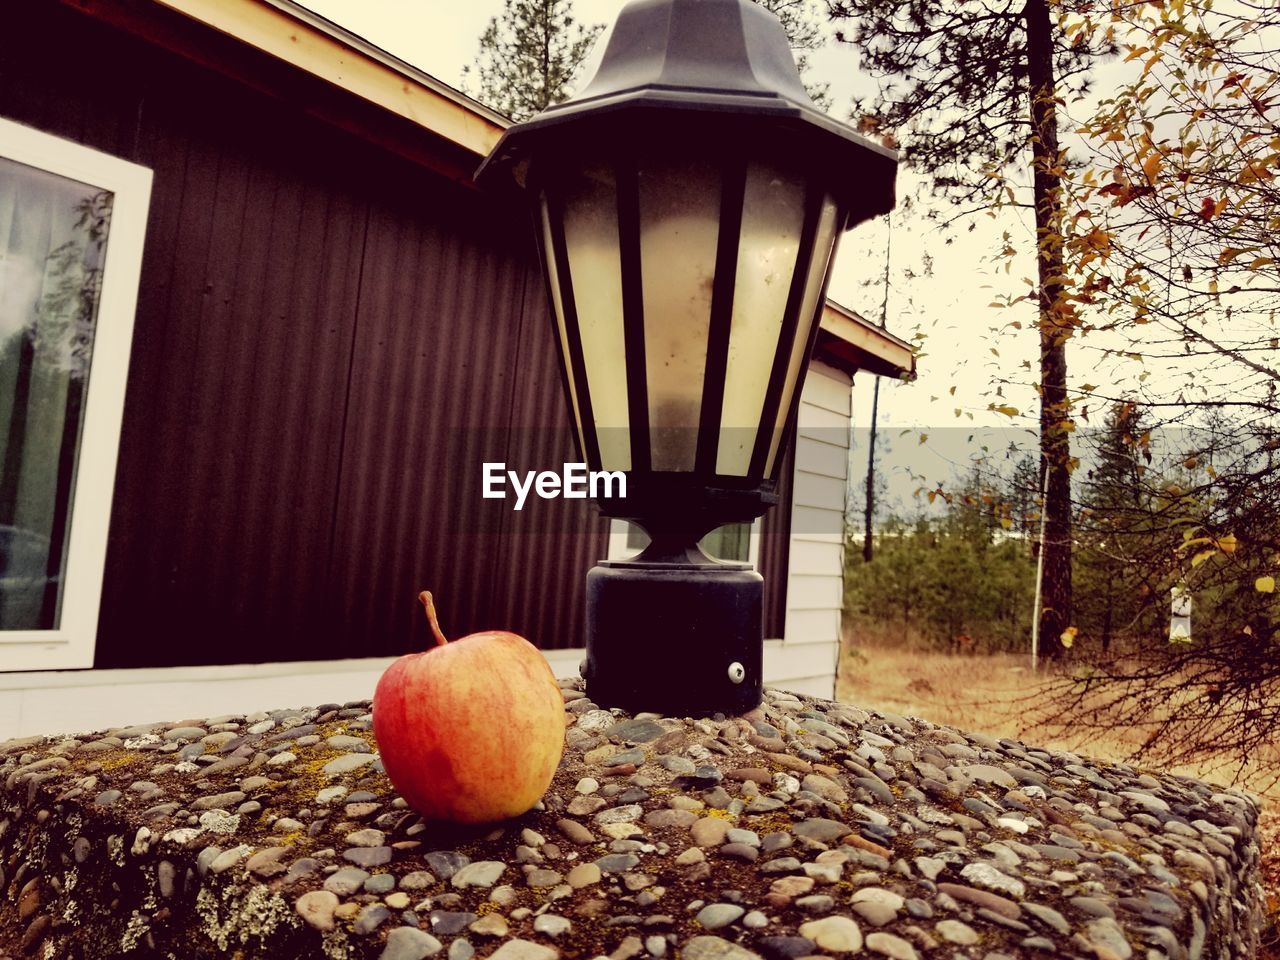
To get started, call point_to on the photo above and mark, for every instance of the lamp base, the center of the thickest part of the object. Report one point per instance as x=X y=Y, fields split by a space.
x=682 y=639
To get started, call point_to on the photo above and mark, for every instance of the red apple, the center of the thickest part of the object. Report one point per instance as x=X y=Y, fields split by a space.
x=470 y=731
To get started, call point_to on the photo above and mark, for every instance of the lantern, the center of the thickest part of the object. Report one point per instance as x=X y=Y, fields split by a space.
x=687 y=205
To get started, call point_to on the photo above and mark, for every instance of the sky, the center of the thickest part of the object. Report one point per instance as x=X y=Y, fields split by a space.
x=441 y=37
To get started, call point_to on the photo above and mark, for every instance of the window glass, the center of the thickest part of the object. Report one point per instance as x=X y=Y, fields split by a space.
x=730 y=542
x=53 y=236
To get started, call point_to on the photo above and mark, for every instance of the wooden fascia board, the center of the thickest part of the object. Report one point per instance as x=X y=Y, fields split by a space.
x=892 y=356
x=278 y=34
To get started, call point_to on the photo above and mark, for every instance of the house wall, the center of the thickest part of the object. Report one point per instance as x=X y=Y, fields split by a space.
x=330 y=341
x=815 y=581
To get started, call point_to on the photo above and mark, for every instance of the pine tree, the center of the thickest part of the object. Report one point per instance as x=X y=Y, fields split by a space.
x=529 y=56
x=974 y=84
x=802 y=20
x=1113 y=525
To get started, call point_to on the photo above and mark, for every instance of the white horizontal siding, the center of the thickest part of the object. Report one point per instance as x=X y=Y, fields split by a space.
x=808 y=592
x=815 y=490
x=815 y=557
x=823 y=458
x=77 y=701
x=814 y=624
x=819 y=423
x=823 y=685
x=815 y=583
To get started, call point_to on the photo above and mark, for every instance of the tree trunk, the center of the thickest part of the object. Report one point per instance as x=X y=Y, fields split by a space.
x=1106 y=625
x=867 y=548
x=1054 y=324
x=871 y=473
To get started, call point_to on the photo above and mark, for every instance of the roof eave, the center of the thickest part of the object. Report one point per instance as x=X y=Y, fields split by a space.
x=307 y=41
x=854 y=343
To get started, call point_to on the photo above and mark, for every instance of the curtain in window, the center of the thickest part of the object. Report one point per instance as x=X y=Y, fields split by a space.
x=53 y=234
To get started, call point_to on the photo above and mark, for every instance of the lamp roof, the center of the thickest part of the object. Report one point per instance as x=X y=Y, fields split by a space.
x=728 y=59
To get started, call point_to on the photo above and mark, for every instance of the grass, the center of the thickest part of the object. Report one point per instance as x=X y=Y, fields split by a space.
x=987 y=694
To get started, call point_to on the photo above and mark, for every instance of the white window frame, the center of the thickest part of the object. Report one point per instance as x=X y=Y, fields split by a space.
x=71 y=644
x=618 y=549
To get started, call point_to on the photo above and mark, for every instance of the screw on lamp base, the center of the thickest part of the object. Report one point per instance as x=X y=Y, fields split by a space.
x=682 y=639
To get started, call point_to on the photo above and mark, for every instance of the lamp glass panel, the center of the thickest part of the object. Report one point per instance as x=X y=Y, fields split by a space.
x=558 y=305
x=679 y=223
x=772 y=221
x=823 y=243
x=591 y=239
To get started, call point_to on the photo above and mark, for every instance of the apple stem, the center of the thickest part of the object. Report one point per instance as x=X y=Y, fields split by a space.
x=429 y=604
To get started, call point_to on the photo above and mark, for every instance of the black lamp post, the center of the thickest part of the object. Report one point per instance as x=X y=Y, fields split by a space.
x=687 y=204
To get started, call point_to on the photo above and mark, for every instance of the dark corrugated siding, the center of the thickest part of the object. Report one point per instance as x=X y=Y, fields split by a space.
x=569 y=533
x=329 y=342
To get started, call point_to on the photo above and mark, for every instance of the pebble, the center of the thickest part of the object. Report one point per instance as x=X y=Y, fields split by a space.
x=450 y=922
x=583 y=875
x=835 y=934
x=877 y=906
x=409 y=943
x=890 y=946
x=717 y=915
x=490 y=925
x=715 y=948
x=710 y=831
x=317 y=909
x=575 y=832
x=1107 y=934
x=551 y=925
x=1048 y=916
x=371 y=917
x=953 y=931
x=524 y=950
x=986 y=876
x=347 y=763
x=785 y=948
x=821 y=829
x=483 y=873
x=379 y=884
x=982 y=898
x=368 y=856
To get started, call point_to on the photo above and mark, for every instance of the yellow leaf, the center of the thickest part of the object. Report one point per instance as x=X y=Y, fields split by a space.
x=1006 y=523
x=924 y=437
x=1202 y=556
x=1007 y=410
x=1152 y=166
x=1068 y=637
x=1228 y=254
x=1265 y=584
x=1227 y=544
x=1261 y=262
